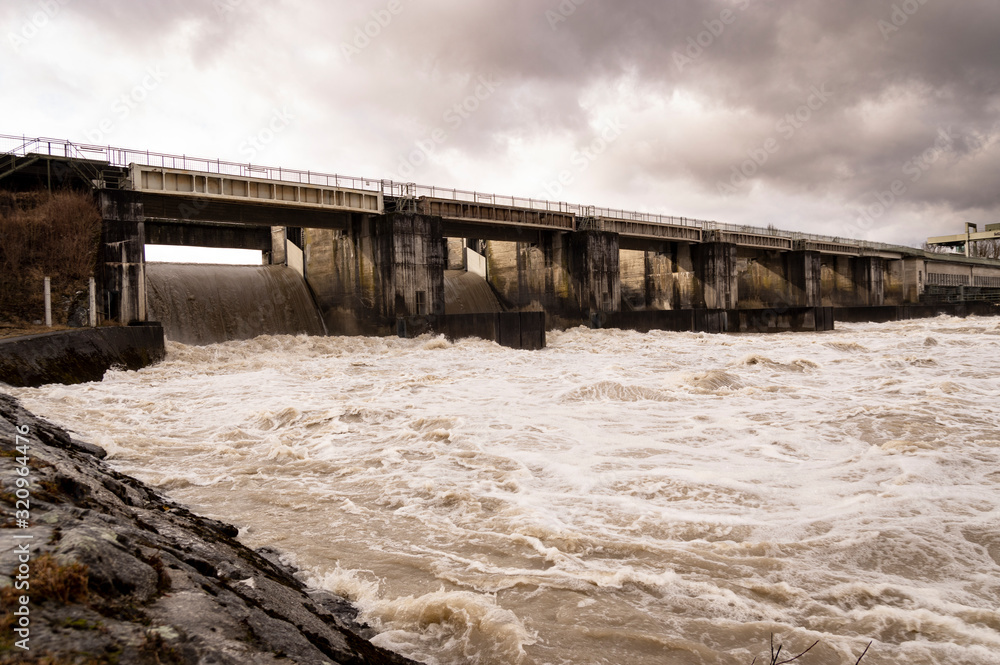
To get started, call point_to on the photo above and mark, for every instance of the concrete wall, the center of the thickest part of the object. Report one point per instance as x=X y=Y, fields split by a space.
x=886 y=313
x=384 y=267
x=762 y=279
x=531 y=276
x=716 y=275
x=517 y=330
x=332 y=274
x=456 y=254
x=633 y=279
x=567 y=275
x=862 y=281
x=121 y=258
x=894 y=284
x=791 y=319
x=78 y=356
x=596 y=273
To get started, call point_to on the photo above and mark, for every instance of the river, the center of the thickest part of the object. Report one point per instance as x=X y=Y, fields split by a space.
x=617 y=498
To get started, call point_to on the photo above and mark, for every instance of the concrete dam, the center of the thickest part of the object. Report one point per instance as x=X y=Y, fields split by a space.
x=360 y=256
x=205 y=304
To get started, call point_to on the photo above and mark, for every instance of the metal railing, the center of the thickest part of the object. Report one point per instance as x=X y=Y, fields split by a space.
x=123 y=157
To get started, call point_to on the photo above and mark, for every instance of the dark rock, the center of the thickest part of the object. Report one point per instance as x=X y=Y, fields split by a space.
x=78 y=310
x=113 y=572
x=164 y=585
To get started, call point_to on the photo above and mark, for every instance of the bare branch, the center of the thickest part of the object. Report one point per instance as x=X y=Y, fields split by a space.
x=800 y=655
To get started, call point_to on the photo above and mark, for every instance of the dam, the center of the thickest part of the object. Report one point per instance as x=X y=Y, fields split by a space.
x=622 y=497
x=381 y=257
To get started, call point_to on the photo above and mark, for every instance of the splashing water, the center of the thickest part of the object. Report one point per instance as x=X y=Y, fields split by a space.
x=616 y=498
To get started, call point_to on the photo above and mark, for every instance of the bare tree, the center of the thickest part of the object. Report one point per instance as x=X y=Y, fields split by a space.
x=936 y=249
x=987 y=249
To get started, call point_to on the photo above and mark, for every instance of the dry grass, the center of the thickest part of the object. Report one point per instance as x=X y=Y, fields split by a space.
x=44 y=235
x=51 y=580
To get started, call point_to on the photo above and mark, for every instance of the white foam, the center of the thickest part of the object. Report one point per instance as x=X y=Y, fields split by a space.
x=616 y=493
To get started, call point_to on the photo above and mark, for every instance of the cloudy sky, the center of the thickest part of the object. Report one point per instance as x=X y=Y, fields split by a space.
x=877 y=119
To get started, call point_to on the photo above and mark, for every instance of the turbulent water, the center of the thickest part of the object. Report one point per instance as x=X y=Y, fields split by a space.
x=616 y=498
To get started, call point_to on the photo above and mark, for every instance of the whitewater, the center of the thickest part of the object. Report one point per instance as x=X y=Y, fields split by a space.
x=616 y=498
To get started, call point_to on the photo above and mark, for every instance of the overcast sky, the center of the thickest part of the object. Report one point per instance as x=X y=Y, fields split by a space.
x=876 y=119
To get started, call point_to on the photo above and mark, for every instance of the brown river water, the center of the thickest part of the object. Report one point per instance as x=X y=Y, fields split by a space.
x=617 y=498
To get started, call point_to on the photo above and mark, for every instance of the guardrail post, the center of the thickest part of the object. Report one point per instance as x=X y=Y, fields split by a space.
x=48 y=303
x=92 y=315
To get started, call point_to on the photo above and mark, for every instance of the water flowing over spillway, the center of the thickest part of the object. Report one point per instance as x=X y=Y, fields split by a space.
x=468 y=293
x=616 y=498
x=203 y=304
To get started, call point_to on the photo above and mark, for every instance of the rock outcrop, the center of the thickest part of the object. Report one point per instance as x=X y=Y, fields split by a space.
x=119 y=574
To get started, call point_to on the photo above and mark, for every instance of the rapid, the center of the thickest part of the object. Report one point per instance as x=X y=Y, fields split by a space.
x=617 y=498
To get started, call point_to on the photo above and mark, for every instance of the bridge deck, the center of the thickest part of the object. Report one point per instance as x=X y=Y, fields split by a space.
x=162 y=180
x=245 y=193
x=496 y=214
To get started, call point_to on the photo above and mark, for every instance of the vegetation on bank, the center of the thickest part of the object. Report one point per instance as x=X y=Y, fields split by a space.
x=46 y=235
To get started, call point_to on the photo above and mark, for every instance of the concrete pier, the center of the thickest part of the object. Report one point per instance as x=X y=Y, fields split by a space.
x=121 y=257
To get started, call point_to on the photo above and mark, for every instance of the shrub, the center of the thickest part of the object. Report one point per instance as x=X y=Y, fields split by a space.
x=42 y=235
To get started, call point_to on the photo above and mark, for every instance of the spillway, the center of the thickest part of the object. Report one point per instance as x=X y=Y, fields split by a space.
x=468 y=293
x=206 y=304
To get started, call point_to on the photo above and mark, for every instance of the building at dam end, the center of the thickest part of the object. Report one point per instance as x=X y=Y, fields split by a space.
x=373 y=253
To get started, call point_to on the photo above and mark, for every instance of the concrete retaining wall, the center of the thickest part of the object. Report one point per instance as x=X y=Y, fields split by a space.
x=791 y=319
x=517 y=330
x=906 y=312
x=78 y=356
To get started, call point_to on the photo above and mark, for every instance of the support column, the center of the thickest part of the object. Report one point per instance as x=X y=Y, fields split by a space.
x=595 y=271
x=122 y=257
x=715 y=275
x=400 y=265
x=869 y=280
x=278 y=255
x=804 y=270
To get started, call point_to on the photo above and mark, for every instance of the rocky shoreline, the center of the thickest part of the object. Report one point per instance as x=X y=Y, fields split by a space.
x=119 y=574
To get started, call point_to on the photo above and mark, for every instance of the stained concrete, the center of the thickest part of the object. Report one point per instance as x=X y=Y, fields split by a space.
x=716 y=278
x=80 y=355
x=381 y=268
x=790 y=319
x=121 y=257
x=517 y=330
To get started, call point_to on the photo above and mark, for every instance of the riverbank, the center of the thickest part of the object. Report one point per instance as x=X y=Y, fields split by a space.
x=118 y=574
x=79 y=355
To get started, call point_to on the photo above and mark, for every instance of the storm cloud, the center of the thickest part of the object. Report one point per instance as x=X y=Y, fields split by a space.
x=875 y=119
